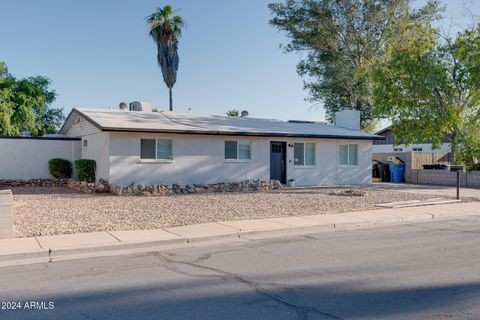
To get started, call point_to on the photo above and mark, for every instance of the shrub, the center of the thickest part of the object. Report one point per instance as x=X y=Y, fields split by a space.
x=85 y=170
x=473 y=167
x=60 y=168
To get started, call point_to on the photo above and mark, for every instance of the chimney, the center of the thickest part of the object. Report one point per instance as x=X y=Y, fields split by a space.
x=348 y=118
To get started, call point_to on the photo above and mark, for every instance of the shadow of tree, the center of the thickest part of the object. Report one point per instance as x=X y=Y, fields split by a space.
x=209 y=299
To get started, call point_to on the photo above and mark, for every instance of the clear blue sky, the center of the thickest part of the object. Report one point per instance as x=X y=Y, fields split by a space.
x=97 y=53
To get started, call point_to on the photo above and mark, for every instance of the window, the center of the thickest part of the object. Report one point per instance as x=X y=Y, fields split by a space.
x=348 y=154
x=398 y=149
x=237 y=150
x=417 y=149
x=147 y=149
x=156 y=149
x=230 y=149
x=304 y=154
x=299 y=154
x=277 y=148
x=85 y=143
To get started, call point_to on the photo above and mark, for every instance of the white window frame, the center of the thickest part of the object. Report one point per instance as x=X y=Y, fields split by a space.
x=85 y=143
x=348 y=155
x=238 y=150
x=304 y=157
x=156 y=144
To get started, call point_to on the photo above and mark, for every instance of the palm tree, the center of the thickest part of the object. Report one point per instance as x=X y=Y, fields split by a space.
x=165 y=29
x=233 y=113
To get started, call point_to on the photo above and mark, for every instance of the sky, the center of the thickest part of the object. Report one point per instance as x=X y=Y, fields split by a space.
x=97 y=53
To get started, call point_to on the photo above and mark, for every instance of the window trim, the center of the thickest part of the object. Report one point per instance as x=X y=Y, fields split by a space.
x=238 y=151
x=305 y=166
x=156 y=160
x=348 y=165
x=85 y=143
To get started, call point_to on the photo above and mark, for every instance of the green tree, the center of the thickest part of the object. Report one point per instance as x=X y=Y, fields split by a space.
x=233 y=113
x=165 y=29
x=7 y=84
x=429 y=87
x=340 y=39
x=25 y=104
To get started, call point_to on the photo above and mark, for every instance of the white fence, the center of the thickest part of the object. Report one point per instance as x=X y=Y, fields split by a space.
x=27 y=158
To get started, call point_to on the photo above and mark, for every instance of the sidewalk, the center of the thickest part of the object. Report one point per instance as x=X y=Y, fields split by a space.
x=74 y=246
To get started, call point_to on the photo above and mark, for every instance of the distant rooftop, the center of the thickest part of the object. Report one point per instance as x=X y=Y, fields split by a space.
x=174 y=122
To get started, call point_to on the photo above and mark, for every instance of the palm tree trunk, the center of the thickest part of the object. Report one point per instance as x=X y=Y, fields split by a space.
x=171 y=101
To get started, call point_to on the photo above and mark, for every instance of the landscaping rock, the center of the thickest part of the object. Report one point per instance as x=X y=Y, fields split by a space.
x=104 y=186
x=56 y=210
x=348 y=193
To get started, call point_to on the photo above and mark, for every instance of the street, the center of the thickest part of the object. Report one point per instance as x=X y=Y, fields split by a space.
x=417 y=271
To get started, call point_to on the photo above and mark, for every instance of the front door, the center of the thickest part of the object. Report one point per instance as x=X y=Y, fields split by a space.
x=278 y=170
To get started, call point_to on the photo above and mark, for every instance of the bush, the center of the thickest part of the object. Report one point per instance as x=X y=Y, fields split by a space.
x=473 y=167
x=60 y=168
x=85 y=170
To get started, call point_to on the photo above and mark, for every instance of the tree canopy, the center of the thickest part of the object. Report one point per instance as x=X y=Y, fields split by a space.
x=233 y=113
x=340 y=39
x=25 y=104
x=429 y=87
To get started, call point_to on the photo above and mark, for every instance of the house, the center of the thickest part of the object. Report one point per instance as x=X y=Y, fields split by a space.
x=167 y=147
x=391 y=144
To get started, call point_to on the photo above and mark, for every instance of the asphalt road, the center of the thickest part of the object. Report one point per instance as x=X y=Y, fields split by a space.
x=418 y=271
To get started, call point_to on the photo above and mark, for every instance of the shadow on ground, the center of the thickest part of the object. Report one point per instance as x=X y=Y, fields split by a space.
x=200 y=299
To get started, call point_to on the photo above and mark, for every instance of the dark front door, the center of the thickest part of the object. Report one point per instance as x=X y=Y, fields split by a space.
x=278 y=168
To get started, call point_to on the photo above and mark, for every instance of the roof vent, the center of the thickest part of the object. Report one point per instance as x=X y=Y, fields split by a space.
x=140 y=106
x=244 y=114
x=123 y=106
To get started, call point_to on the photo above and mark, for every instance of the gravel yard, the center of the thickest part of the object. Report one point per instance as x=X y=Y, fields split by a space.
x=47 y=211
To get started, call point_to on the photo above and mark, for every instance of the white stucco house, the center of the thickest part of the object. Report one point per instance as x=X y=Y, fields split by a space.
x=168 y=147
x=392 y=144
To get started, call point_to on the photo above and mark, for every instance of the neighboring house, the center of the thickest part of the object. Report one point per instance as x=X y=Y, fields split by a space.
x=391 y=144
x=168 y=147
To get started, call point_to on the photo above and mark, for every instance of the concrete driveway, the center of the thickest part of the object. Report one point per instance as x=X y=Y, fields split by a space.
x=426 y=189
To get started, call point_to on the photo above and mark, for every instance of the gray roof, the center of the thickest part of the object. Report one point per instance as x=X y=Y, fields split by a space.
x=173 y=122
x=381 y=131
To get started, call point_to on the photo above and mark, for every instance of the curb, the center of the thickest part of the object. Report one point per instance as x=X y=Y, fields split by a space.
x=46 y=255
x=285 y=231
x=54 y=253
x=26 y=257
x=232 y=235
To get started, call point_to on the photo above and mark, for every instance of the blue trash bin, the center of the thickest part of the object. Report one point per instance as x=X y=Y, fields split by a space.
x=396 y=172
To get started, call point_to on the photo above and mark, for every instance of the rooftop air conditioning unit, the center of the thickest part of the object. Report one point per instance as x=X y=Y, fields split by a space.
x=123 y=106
x=140 y=106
